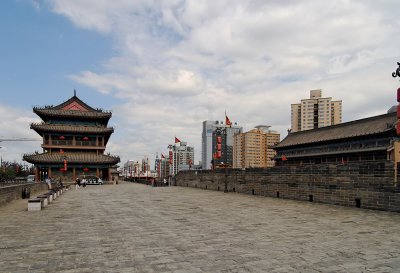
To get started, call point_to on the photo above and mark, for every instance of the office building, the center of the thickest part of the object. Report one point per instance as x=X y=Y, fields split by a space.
x=212 y=129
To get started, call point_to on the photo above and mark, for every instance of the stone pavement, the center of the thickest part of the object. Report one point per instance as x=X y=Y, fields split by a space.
x=137 y=228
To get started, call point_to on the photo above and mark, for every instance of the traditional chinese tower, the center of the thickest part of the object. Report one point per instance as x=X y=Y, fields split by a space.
x=75 y=136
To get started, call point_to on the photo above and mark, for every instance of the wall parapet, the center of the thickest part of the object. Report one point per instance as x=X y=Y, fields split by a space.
x=15 y=192
x=368 y=185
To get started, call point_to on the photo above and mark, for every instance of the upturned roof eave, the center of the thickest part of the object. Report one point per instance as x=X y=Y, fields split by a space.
x=277 y=147
x=42 y=128
x=44 y=113
x=35 y=159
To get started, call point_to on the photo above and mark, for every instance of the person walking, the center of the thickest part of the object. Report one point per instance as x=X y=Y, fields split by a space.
x=48 y=182
x=77 y=183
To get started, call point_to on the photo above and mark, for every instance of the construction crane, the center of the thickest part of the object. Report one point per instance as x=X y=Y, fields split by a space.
x=20 y=139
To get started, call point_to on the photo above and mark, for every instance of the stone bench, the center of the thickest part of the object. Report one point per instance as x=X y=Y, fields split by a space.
x=43 y=200
x=48 y=195
x=35 y=204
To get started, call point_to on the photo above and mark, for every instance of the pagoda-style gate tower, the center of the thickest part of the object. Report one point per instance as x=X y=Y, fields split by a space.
x=75 y=136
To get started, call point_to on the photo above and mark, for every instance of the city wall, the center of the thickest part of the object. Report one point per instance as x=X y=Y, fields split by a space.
x=368 y=185
x=14 y=192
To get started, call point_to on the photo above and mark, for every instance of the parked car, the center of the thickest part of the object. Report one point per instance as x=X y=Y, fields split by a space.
x=92 y=180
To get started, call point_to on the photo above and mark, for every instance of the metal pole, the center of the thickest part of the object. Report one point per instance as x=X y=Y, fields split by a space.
x=226 y=161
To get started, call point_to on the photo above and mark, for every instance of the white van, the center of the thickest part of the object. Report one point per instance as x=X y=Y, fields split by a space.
x=30 y=178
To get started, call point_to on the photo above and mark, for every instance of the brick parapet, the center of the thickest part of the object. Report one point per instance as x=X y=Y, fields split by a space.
x=372 y=183
x=14 y=192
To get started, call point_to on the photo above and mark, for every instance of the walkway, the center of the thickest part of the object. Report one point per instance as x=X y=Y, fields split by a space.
x=136 y=228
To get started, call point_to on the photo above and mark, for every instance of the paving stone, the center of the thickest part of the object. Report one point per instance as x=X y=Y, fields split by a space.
x=137 y=228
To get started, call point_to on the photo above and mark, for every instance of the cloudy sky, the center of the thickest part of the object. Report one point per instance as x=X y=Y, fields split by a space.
x=163 y=67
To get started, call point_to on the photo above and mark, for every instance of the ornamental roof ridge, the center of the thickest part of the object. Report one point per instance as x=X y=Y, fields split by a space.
x=73 y=99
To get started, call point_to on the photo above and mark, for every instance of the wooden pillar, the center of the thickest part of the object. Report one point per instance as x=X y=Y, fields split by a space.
x=109 y=174
x=74 y=171
x=49 y=172
x=37 y=178
x=97 y=172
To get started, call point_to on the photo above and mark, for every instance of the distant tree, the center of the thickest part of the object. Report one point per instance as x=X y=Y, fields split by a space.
x=11 y=170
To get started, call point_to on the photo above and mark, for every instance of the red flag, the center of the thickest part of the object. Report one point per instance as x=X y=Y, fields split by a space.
x=162 y=156
x=227 y=121
x=177 y=140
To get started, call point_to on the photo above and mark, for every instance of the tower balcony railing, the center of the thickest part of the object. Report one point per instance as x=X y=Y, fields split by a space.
x=59 y=142
x=79 y=143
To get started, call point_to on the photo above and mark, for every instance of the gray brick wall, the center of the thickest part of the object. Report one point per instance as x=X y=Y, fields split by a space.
x=14 y=192
x=372 y=183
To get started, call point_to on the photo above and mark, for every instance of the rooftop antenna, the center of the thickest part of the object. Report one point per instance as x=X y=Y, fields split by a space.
x=74 y=92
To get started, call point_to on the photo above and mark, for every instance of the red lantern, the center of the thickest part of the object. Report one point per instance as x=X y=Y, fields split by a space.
x=65 y=164
x=85 y=169
x=62 y=170
x=85 y=138
x=219 y=139
x=62 y=137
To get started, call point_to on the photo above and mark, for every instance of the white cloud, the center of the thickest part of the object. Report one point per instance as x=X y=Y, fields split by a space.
x=14 y=124
x=181 y=62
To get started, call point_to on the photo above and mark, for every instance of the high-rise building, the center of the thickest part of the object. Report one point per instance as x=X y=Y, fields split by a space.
x=253 y=148
x=315 y=112
x=182 y=158
x=209 y=142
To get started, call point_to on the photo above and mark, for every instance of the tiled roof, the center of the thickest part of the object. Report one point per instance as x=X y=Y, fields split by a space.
x=356 y=128
x=40 y=127
x=73 y=158
x=72 y=100
x=71 y=113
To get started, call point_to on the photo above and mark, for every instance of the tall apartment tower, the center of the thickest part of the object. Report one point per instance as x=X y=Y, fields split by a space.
x=208 y=142
x=315 y=112
x=253 y=149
